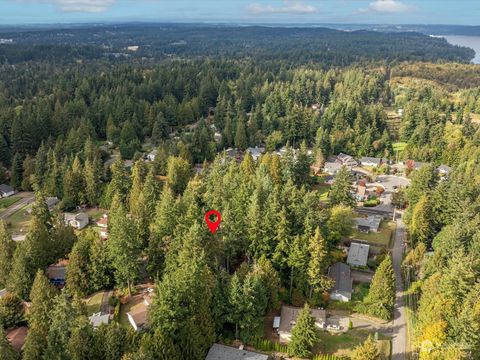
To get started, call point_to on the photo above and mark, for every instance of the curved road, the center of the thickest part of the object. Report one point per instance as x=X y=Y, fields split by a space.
x=399 y=323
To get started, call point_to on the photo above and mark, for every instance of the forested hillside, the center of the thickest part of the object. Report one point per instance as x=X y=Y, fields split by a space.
x=78 y=123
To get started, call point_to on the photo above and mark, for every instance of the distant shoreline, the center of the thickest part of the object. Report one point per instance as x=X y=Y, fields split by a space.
x=465 y=40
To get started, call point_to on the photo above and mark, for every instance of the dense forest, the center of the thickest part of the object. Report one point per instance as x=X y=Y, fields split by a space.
x=72 y=113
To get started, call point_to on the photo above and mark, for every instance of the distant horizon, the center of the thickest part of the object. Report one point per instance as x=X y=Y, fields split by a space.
x=281 y=12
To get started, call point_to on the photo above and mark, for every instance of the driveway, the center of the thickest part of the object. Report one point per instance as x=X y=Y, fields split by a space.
x=26 y=199
x=399 y=323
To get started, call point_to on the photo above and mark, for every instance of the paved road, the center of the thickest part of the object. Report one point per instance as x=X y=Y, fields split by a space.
x=26 y=199
x=399 y=323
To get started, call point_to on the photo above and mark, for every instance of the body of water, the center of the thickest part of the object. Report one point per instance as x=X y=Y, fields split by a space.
x=468 y=41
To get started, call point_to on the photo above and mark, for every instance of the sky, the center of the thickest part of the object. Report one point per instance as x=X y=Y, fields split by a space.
x=460 y=12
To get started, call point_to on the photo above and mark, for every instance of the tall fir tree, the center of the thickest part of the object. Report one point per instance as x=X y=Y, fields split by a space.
x=304 y=334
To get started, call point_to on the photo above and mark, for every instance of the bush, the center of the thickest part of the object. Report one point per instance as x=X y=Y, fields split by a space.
x=268 y=346
x=326 y=357
x=350 y=324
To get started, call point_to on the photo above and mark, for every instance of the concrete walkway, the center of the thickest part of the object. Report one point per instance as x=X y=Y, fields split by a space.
x=399 y=323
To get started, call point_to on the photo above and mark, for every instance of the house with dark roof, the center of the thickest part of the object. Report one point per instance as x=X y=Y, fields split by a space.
x=369 y=223
x=340 y=273
x=6 y=191
x=288 y=319
x=358 y=254
x=224 y=352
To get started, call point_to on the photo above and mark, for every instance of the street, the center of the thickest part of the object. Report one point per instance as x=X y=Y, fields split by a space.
x=399 y=327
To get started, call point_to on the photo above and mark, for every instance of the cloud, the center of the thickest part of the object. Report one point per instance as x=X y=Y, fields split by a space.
x=84 y=6
x=387 y=7
x=289 y=7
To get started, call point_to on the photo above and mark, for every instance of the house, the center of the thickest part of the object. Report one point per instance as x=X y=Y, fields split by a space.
x=77 y=221
x=362 y=193
x=340 y=273
x=138 y=316
x=217 y=137
x=6 y=191
x=370 y=223
x=17 y=337
x=256 y=152
x=224 y=352
x=370 y=161
x=346 y=160
x=316 y=107
x=358 y=254
x=56 y=273
x=288 y=318
x=151 y=155
x=98 y=319
x=51 y=202
x=444 y=170
x=102 y=223
x=332 y=168
x=132 y=48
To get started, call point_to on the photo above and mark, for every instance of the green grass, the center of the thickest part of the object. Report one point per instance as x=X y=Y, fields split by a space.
x=344 y=344
x=7 y=202
x=19 y=221
x=124 y=308
x=94 y=303
x=324 y=191
x=380 y=238
x=360 y=290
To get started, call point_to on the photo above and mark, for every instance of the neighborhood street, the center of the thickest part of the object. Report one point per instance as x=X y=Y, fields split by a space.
x=27 y=198
x=399 y=327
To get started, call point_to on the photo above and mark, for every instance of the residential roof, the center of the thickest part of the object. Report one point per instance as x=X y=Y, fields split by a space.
x=256 y=151
x=289 y=314
x=51 y=201
x=444 y=168
x=57 y=271
x=341 y=274
x=358 y=254
x=372 y=160
x=332 y=166
x=3 y=292
x=371 y=221
x=77 y=217
x=5 y=188
x=139 y=315
x=97 y=319
x=17 y=337
x=223 y=352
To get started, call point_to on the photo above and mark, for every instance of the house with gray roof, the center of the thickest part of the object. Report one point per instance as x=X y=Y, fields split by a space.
x=340 y=273
x=358 y=254
x=6 y=191
x=256 y=152
x=224 y=352
x=369 y=223
x=288 y=319
x=332 y=167
x=370 y=161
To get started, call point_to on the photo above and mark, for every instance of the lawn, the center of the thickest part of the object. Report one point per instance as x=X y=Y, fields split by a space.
x=7 y=202
x=380 y=238
x=124 y=308
x=344 y=344
x=18 y=222
x=94 y=303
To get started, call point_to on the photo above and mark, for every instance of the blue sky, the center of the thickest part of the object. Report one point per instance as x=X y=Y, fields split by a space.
x=463 y=12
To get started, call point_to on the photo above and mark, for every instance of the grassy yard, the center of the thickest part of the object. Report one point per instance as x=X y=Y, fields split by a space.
x=324 y=191
x=94 y=303
x=360 y=290
x=7 y=202
x=399 y=146
x=131 y=305
x=380 y=238
x=18 y=222
x=344 y=344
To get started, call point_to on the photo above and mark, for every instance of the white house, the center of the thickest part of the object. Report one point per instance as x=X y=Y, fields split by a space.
x=6 y=191
x=77 y=221
x=370 y=161
x=152 y=155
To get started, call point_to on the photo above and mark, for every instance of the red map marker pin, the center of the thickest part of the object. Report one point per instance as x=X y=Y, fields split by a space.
x=213 y=225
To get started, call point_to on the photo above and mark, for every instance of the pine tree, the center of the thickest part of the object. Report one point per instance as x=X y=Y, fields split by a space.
x=100 y=267
x=381 y=296
x=318 y=264
x=93 y=186
x=158 y=346
x=138 y=176
x=120 y=183
x=304 y=334
x=7 y=249
x=178 y=174
x=367 y=351
x=341 y=190
x=21 y=276
x=16 y=172
x=123 y=248
x=81 y=344
x=241 y=135
x=77 y=276
x=420 y=226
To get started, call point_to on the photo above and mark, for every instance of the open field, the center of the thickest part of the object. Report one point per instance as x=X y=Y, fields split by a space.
x=380 y=238
x=18 y=222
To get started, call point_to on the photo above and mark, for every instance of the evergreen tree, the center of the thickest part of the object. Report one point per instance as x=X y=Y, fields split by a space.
x=241 y=136
x=178 y=174
x=304 y=334
x=381 y=296
x=120 y=183
x=157 y=346
x=367 y=351
x=93 y=186
x=318 y=264
x=21 y=276
x=341 y=190
x=16 y=172
x=7 y=249
x=77 y=276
